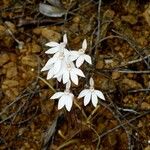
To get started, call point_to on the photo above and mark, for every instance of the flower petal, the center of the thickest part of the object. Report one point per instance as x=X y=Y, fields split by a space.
x=51 y=61
x=69 y=101
x=88 y=59
x=79 y=61
x=94 y=99
x=50 y=74
x=78 y=72
x=65 y=38
x=57 y=66
x=73 y=55
x=52 y=44
x=65 y=77
x=59 y=78
x=52 y=50
x=87 y=98
x=84 y=44
x=83 y=93
x=61 y=102
x=46 y=67
x=57 y=95
x=74 y=77
x=91 y=82
x=99 y=94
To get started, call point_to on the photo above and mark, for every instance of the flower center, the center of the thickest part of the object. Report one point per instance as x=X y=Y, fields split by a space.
x=61 y=55
x=67 y=91
x=63 y=45
x=82 y=51
x=92 y=89
x=69 y=67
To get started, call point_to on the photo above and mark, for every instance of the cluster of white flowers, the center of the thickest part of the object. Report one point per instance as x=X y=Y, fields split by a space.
x=64 y=66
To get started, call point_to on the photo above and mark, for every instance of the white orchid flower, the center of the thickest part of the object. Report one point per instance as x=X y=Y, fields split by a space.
x=65 y=98
x=55 y=64
x=91 y=94
x=69 y=72
x=80 y=55
x=56 y=47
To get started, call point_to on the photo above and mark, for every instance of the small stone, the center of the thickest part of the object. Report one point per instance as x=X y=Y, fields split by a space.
x=10 y=88
x=116 y=75
x=130 y=19
x=11 y=70
x=100 y=64
x=146 y=15
x=147 y=148
x=35 y=48
x=131 y=84
x=145 y=106
x=4 y=58
x=10 y=83
x=112 y=139
x=30 y=60
x=2 y=30
x=47 y=33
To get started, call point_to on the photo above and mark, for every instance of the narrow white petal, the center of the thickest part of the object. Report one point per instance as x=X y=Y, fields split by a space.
x=65 y=38
x=66 y=52
x=91 y=82
x=68 y=84
x=79 y=61
x=61 y=102
x=83 y=93
x=52 y=50
x=88 y=59
x=51 y=61
x=65 y=77
x=74 y=77
x=50 y=74
x=94 y=99
x=84 y=44
x=99 y=94
x=57 y=66
x=46 y=67
x=52 y=44
x=57 y=95
x=87 y=98
x=59 y=78
x=78 y=72
x=73 y=55
x=69 y=101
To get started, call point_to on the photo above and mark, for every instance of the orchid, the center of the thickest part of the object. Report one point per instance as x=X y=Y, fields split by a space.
x=70 y=72
x=80 y=55
x=57 y=47
x=65 y=98
x=91 y=94
x=64 y=66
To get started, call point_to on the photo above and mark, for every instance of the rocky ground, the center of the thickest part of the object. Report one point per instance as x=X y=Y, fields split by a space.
x=118 y=35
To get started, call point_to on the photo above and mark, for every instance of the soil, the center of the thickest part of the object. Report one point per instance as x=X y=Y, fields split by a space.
x=118 y=36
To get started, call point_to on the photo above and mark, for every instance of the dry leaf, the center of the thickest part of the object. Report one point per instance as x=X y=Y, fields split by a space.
x=51 y=11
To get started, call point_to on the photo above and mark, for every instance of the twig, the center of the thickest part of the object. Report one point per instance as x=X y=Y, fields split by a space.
x=47 y=84
x=16 y=100
x=133 y=45
x=139 y=90
x=122 y=124
x=132 y=71
x=13 y=114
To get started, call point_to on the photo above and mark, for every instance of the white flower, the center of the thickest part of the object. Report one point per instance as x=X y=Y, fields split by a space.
x=56 y=47
x=91 y=94
x=65 y=98
x=55 y=64
x=80 y=55
x=69 y=72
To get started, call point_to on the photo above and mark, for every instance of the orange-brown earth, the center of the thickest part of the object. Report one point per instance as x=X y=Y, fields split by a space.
x=118 y=35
